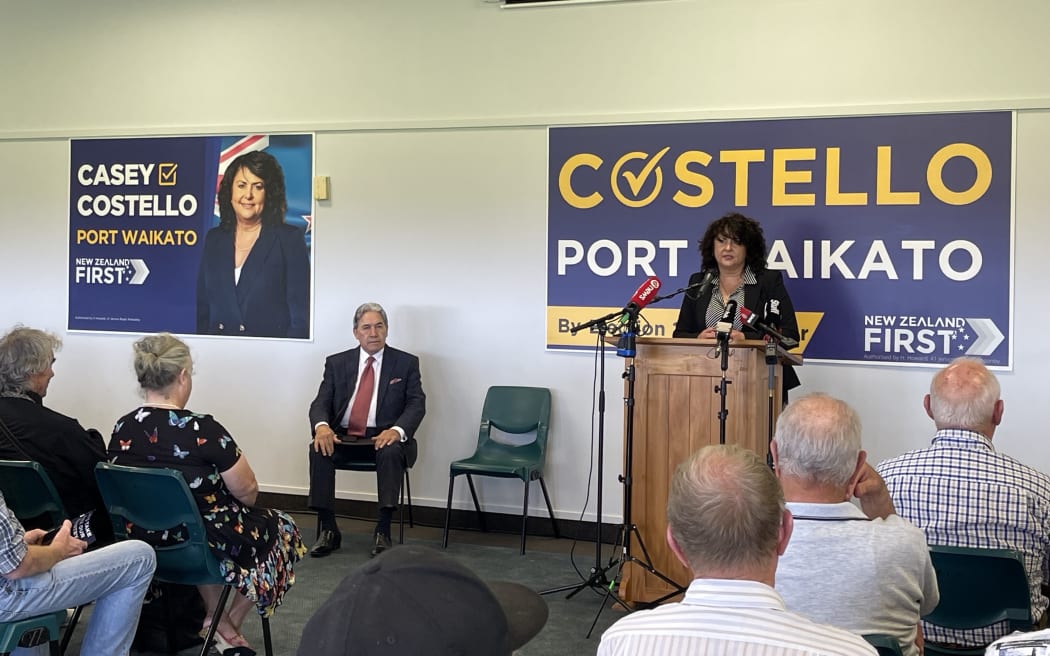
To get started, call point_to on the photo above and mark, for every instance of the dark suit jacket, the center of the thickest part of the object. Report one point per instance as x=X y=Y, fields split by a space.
x=692 y=318
x=273 y=297
x=401 y=401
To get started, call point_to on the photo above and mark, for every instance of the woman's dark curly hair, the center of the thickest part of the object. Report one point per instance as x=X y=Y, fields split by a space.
x=266 y=167
x=745 y=230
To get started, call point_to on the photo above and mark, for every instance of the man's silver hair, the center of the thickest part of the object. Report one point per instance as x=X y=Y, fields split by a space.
x=963 y=394
x=369 y=307
x=818 y=440
x=24 y=353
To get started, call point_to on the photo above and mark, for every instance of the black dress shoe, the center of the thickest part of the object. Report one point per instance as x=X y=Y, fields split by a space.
x=382 y=544
x=328 y=542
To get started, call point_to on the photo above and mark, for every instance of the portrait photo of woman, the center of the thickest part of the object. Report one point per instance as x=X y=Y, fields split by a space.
x=254 y=275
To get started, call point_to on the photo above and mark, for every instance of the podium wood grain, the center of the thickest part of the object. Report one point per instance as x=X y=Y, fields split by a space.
x=676 y=413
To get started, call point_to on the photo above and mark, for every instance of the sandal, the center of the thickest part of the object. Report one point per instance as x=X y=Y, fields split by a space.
x=235 y=646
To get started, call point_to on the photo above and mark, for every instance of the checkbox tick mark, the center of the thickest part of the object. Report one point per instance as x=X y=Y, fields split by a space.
x=635 y=182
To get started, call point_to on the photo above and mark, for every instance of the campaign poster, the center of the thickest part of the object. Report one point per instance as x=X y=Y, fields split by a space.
x=894 y=233
x=166 y=234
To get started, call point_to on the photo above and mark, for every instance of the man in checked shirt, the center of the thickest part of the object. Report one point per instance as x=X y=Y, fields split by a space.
x=963 y=493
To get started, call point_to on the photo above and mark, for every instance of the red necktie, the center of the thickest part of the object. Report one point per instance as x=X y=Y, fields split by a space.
x=359 y=412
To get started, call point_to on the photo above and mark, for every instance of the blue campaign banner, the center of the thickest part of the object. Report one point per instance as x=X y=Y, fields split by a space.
x=894 y=233
x=140 y=212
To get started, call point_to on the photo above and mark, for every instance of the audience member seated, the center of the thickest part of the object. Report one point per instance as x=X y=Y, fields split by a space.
x=414 y=600
x=961 y=492
x=31 y=431
x=728 y=524
x=864 y=569
x=40 y=579
x=255 y=547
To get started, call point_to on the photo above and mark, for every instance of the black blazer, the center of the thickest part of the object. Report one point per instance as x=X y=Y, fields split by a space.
x=692 y=318
x=273 y=296
x=401 y=401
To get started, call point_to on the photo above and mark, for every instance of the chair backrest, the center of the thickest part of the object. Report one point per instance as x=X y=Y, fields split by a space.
x=516 y=410
x=29 y=493
x=980 y=587
x=158 y=499
x=885 y=644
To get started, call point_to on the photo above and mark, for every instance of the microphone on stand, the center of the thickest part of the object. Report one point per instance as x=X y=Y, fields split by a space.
x=725 y=325
x=701 y=287
x=625 y=347
x=751 y=320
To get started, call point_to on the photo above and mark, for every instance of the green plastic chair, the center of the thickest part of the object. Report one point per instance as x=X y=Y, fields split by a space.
x=978 y=587
x=31 y=632
x=513 y=410
x=32 y=497
x=158 y=499
x=30 y=494
x=885 y=644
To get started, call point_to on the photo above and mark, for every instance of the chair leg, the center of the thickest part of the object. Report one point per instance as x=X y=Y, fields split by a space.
x=477 y=506
x=408 y=489
x=215 y=617
x=524 y=517
x=401 y=518
x=267 y=641
x=169 y=627
x=448 y=511
x=550 y=509
x=69 y=629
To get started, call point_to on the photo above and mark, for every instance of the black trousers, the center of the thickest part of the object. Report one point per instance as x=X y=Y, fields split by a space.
x=390 y=462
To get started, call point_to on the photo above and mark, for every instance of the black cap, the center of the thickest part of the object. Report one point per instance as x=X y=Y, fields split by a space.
x=414 y=600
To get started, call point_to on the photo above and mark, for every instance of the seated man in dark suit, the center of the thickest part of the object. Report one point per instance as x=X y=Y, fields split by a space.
x=351 y=422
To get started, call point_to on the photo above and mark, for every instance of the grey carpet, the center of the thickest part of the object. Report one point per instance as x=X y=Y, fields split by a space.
x=545 y=565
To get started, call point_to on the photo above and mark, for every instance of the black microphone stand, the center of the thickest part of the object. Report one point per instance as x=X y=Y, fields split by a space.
x=629 y=528
x=722 y=389
x=771 y=363
x=597 y=580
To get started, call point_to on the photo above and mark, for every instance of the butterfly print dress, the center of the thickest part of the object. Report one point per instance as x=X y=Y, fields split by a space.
x=256 y=547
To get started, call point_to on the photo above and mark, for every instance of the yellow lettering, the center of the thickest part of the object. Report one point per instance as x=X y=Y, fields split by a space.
x=703 y=184
x=935 y=174
x=565 y=181
x=782 y=176
x=742 y=159
x=833 y=184
x=884 y=195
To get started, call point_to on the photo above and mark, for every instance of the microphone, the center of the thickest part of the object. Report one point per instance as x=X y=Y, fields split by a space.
x=642 y=297
x=751 y=320
x=771 y=313
x=701 y=287
x=725 y=324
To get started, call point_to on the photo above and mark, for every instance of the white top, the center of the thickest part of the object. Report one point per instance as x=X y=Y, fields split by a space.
x=723 y=617
x=865 y=576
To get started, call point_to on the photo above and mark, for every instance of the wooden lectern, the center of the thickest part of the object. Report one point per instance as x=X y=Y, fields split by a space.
x=676 y=413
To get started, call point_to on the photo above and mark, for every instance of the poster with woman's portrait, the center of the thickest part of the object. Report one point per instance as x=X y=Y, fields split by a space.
x=207 y=235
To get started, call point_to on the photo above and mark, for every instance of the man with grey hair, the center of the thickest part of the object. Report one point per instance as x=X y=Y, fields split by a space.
x=726 y=521
x=961 y=492
x=864 y=569
x=31 y=431
x=368 y=407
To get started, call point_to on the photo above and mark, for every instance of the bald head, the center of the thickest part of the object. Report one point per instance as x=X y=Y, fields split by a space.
x=965 y=395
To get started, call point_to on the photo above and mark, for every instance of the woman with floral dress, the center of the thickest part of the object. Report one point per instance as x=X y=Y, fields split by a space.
x=255 y=547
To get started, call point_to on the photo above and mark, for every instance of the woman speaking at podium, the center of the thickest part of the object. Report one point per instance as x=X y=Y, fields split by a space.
x=733 y=267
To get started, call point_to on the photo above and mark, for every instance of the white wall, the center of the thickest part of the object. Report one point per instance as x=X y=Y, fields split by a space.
x=431 y=120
